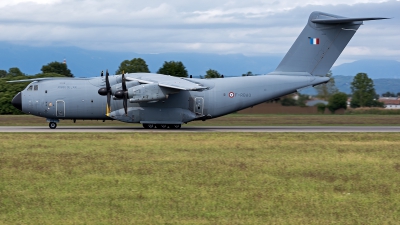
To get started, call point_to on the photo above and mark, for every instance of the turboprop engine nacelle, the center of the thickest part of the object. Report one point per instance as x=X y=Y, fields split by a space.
x=148 y=92
x=118 y=87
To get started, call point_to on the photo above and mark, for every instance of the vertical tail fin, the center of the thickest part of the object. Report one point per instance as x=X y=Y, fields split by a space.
x=320 y=44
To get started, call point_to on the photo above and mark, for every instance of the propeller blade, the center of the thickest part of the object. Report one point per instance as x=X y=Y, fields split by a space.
x=108 y=88
x=107 y=81
x=125 y=93
x=125 y=104
x=108 y=109
x=124 y=83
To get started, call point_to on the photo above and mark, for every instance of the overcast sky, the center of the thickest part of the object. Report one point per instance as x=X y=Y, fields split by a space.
x=252 y=27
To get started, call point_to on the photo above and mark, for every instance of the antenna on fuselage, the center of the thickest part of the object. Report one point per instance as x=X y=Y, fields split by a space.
x=102 y=73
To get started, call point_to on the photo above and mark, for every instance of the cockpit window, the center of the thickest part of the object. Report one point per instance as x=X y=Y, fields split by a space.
x=35 y=88
x=30 y=88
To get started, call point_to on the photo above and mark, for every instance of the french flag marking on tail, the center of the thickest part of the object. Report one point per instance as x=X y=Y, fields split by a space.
x=314 y=41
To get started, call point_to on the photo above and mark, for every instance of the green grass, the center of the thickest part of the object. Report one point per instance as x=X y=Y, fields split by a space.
x=199 y=178
x=231 y=120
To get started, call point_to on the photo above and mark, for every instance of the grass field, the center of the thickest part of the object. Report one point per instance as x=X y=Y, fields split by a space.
x=199 y=178
x=230 y=120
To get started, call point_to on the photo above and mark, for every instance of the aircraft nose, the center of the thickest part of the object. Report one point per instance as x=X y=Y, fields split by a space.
x=17 y=101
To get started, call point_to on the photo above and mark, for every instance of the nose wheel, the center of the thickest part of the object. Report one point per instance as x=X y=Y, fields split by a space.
x=53 y=125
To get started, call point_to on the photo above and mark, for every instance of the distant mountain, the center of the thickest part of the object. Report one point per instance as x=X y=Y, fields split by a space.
x=89 y=63
x=343 y=83
x=384 y=85
x=374 y=68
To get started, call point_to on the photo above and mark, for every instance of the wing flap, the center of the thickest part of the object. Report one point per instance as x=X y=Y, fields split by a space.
x=170 y=82
x=139 y=80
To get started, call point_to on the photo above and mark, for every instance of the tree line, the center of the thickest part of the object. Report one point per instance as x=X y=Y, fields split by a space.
x=363 y=94
x=172 y=68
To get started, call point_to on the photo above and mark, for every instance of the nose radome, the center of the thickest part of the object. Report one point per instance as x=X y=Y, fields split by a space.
x=17 y=101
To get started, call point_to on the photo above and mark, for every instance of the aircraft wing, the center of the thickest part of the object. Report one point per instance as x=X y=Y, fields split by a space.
x=169 y=82
x=46 y=78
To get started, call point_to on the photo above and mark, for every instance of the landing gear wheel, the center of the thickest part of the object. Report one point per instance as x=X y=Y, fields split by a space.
x=162 y=126
x=175 y=126
x=52 y=125
x=148 y=126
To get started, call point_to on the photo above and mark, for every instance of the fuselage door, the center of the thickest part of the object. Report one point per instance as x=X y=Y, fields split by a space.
x=60 y=108
x=198 y=106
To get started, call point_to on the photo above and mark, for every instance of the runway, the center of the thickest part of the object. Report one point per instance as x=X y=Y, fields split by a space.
x=263 y=129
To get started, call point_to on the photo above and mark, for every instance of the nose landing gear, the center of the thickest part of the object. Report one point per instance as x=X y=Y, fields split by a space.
x=53 y=123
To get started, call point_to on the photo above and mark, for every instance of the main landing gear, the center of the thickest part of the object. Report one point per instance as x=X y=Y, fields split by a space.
x=161 y=126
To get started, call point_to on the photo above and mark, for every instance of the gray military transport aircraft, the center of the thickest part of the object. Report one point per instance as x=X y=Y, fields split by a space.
x=162 y=101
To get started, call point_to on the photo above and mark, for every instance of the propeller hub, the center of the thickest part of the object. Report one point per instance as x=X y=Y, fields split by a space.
x=103 y=91
x=119 y=94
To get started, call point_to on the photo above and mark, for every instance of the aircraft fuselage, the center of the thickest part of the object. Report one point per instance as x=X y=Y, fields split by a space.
x=78 y=99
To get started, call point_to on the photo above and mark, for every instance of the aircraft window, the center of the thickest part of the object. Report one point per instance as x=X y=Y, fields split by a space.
x=30 y=88
x=35 y=88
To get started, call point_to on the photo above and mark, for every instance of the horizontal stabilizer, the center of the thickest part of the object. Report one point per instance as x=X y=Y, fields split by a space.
x=345 y=20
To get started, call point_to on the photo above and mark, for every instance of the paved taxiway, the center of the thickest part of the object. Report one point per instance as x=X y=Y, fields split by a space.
x=265 y=129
